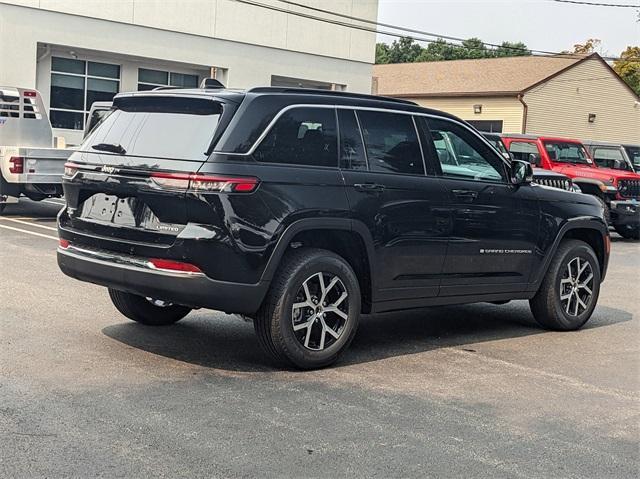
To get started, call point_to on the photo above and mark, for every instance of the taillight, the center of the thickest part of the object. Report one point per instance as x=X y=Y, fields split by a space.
x=30 y=93
x=169 y=265
x=64 y=244
x=70 y=169
x=16 y=164
x=223 y=183
x=204 y=183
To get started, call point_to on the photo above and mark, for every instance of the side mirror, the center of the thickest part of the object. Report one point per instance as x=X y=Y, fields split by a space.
x=534 y=159
x=521 y=172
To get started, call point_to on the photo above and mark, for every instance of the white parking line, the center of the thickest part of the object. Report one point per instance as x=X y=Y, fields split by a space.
x=33 y=233
x=15 y=220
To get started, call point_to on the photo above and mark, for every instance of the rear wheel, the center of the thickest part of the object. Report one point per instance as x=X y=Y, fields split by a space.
x=312 y=309
x=2 y=207
x=149 y=311
x=569 y=291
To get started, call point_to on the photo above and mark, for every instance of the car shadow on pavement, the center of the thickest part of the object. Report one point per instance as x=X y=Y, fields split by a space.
x=230 y=344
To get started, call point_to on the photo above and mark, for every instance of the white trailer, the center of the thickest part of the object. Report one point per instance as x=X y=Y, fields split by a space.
x=29 y=164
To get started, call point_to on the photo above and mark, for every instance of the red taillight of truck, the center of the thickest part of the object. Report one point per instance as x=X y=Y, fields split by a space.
x=16 y=164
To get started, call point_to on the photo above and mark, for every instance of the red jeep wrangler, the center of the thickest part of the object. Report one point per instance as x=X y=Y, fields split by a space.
x=619 y=190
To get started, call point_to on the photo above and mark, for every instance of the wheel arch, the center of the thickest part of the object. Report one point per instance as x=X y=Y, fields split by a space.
x=592 y=231
x=348 y=238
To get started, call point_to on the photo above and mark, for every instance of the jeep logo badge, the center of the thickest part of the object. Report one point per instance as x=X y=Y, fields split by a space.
x=109 y=169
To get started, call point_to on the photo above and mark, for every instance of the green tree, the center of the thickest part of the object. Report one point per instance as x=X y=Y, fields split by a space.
x=438 y=51
x=512 y=49
x=404 y=50
x=628 y=67
x=382 y=53
x=474 y=48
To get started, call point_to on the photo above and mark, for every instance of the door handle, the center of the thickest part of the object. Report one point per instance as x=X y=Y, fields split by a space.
x=466 y=195
x=369 y=187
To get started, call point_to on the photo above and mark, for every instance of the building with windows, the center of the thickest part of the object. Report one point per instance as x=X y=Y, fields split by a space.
x=570 y=96
x=78 y=52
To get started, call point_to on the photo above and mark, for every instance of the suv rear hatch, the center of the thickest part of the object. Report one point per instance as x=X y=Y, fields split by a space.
x=125 y=186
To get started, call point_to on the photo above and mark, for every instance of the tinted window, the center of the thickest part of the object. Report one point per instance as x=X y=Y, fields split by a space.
x=352 y=155
x=159 y=127
x=301 y=136
x=391 y=142
x=464 y=155
x=521 y=150
x=96 y=117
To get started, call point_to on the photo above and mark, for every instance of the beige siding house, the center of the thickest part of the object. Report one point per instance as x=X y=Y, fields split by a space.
x=561 y=96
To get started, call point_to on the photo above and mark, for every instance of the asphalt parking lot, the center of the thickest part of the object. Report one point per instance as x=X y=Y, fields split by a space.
x=469 y=391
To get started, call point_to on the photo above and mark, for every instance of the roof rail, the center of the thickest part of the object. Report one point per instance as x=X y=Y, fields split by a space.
x=158 y=88
x=313 y=91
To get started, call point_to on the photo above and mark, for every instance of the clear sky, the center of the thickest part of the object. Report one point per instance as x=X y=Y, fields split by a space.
x=541 y=24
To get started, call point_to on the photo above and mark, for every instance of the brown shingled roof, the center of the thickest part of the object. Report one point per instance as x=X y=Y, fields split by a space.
x=488 y=76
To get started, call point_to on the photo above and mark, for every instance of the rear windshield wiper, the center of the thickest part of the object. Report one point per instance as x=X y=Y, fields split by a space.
x=110 y=147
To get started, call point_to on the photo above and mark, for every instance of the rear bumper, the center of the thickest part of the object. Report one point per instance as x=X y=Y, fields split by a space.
x=625 y=213
x=128 y=273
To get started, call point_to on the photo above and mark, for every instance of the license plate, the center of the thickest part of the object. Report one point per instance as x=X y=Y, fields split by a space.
x=118 y=211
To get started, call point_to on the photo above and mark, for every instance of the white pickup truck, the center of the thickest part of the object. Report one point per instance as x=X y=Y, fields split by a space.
x=29 y=165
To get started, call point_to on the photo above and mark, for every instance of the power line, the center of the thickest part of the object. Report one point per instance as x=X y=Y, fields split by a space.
x=397 y=35
x=438 y=37
x=594 y=4
x=411 y=30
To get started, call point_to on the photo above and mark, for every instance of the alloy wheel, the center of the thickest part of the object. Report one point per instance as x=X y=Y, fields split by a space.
x=576 y=287
x=321 y=311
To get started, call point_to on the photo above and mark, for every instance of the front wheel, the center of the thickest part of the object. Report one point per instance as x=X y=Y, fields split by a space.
x=312 y=309
x=149 y=311
x=569 y=291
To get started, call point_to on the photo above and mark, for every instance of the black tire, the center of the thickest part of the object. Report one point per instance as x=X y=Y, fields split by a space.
x=142 y=310
x=274 y=322
x=607 y=210
x=547 y=306
x=2 y=207
x=628 y=232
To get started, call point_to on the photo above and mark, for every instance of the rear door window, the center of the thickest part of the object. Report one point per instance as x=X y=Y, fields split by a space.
x=301 y=136
x=391 y=142
x=161 y=127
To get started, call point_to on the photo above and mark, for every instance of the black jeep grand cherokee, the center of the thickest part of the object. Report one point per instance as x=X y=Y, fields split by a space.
x=301 y=209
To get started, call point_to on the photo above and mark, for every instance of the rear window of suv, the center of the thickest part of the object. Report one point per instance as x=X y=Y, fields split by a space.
x=161 y=127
